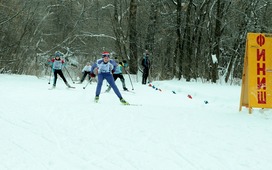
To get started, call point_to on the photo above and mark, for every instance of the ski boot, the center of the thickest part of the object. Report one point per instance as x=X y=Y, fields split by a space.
x=125 y=89
x=124 y=102
x=68 y=85
x=96 y=99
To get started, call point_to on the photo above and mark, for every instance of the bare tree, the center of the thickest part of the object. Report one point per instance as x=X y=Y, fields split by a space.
x=181 y=35
x=133 y=37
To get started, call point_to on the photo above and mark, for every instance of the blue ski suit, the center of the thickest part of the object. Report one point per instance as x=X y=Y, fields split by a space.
x=104 y=71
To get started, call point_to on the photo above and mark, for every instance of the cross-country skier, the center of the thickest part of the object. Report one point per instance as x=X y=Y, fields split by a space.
x=86 y=71
x=118 y=73
x=104 y=68
x=57 y=65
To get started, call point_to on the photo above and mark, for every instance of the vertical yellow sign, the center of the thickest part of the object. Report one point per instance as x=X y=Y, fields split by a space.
x=257 y=74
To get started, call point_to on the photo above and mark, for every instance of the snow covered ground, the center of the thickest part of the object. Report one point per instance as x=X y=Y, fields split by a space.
x=63 y=129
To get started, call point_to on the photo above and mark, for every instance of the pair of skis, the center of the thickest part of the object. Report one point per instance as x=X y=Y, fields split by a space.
x=52 y=88
x=125 y=104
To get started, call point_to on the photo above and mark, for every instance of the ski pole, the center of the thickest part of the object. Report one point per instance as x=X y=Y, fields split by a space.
x=50 y=76
x=87 y=84
x=69 y=75
x=46 y=70
x=129 y=78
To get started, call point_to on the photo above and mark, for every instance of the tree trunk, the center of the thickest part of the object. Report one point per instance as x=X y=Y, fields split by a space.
x=187 y=46
x=133 y=37
x=151 y=30
x=177 y=65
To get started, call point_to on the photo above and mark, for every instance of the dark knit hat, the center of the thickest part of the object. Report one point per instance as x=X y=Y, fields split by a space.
x=58 y=54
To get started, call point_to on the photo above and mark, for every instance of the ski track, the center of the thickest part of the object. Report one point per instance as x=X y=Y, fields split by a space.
x=69 y=131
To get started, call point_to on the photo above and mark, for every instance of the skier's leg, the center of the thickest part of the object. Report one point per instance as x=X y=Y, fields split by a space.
x=63 y=78
x=144 y=76
x=111 y=82
x=123 y=81
x=100 y=78
x=84 y=76
x=115 y=76
x=88 y=74
x=55 y=78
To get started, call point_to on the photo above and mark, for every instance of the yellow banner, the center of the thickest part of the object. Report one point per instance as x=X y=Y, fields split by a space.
x=259 y=55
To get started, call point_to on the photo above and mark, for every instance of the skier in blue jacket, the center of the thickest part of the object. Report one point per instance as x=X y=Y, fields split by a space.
x=104 y=68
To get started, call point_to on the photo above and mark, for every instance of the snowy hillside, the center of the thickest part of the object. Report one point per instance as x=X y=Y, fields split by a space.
x=63 y=129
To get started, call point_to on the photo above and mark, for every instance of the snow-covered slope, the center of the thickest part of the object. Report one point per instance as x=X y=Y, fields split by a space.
x=63 y=129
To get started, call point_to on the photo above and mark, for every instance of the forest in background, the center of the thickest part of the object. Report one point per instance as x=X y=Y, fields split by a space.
x=187 y=39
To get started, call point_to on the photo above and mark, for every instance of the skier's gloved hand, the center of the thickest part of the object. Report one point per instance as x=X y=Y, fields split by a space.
x=92 y=75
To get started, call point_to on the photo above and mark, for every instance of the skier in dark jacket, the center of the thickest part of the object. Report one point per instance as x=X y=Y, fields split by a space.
x=146 y=67
x=104 y=68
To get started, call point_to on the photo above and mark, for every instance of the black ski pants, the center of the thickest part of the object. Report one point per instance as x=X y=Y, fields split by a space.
x=85 y=73
x=145 y=75
x=56 y=73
